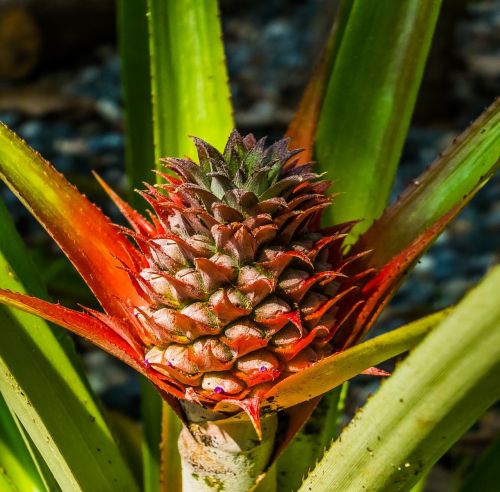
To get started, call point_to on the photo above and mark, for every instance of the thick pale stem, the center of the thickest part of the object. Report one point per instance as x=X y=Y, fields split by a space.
x=226 y=455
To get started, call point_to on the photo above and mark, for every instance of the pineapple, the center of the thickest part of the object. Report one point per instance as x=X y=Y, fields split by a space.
x=240 y=285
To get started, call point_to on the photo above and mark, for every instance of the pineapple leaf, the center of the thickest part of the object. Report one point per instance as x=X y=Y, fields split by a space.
x=433 y=397
x=309 y=444
x=16 y=464
x=302 y=128
x=338 y=368
x=450 y=182
x=190 y=96
x=368 y=104
x=86 y=236
x=136 y=84
x=82 y=324
x=151 y=416
x=56 y=410
x=171 y=477
x=384 y=284
x=42 y=387
x=484 y=475
x=189 y=80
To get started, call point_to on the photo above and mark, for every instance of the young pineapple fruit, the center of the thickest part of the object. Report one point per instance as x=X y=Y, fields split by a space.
x=242 y=286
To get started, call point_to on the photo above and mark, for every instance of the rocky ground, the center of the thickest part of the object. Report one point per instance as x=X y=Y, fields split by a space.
x=73 y=116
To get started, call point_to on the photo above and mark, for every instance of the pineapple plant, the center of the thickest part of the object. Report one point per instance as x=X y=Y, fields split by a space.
x=236 y=283
x=231 y=296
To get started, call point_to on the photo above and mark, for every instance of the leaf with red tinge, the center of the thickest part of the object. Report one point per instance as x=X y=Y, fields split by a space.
x=251 y=406
x=449 y=183
x=380 y=289
x=134 y=218
x=91 y=328
x=302 y=128
x=85 y=235
x=82 y=324
x=375 y=371
x=341 y=366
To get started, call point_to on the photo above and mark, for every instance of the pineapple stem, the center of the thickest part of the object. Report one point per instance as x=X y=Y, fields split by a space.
x=226 y=455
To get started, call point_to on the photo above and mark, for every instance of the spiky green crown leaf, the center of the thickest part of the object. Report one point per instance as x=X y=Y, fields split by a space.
x=246 y=173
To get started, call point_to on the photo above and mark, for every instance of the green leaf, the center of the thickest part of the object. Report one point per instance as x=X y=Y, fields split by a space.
x=189 y=80
x=136 y=83
x=133 y=26
x=434 y=396
x=451 y=181
x=41 y=385
x=302 y=128
x=190 y=95
x=5 y=484
x=310 y=443
x=130 y=437
x=420 y=485
x=486 y=474
x=151 y=410
x=16 y=464
x=369 y=102
x=171 y=460
x=338 y=368
x=161 y=428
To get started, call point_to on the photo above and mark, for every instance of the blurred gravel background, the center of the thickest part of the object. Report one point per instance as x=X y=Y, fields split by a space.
x=70 y=110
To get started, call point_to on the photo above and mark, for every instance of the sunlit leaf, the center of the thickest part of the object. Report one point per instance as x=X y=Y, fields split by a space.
x=190 y=95
x=80 y=323
x=45 y=390
x=334 y=370
x=451 y=181
x=86 y=236
x=16 y=464
x=189 y=79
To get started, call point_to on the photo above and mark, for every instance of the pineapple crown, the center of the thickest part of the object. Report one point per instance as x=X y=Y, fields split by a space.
x=246 y=173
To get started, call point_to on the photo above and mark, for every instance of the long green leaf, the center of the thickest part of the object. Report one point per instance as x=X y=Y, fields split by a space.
x=5 y=484
x=369 y=102
x=15 y=460
x=303 y=127
x=133 y=28
x=136 y=84
x=189 y=80
x=434 y=396
x=451 y=181
x=190 y=95
x=151 y=416
x=335 y=370
x=171 y=460
x=41 y=385
x=43 y=470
